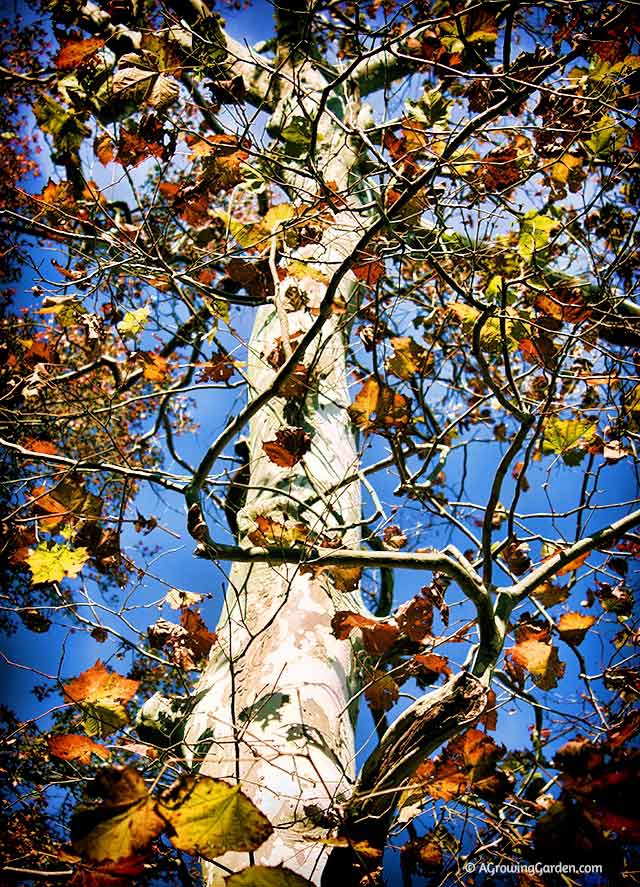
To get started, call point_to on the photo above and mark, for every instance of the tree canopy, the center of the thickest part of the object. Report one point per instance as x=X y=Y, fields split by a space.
x=427 y=212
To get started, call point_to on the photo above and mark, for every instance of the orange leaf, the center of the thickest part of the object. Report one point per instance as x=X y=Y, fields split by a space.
x=377 y=637
x=289 y=447
x=97 y=685
x=71 y=747
x=541 y=661
x=379 y=407
x=75 y=52
x=40 y=446
x=382 y=693
x=574 y=626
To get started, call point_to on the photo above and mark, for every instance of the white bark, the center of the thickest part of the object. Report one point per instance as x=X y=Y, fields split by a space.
x=276 y=711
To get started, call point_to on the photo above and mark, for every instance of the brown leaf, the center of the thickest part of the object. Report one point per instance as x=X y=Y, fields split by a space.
x=367 y=267
x=393 y=537
x=219 y=368
x=432 y=665
x=415 y=618
x=125 y=822
x=467 y=762
x=408 y=358
x=382 y=692
x=563 y=304
x=75 y=52
x=516 y=554
x=133 y=149
x=377 y=637
x=289 y=447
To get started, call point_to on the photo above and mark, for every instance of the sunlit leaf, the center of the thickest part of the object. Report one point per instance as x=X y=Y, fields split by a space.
x=573 y=627
x=134 y=321
x=70 y=747
x=52 y=562
x=266 y=876
x=210 y=817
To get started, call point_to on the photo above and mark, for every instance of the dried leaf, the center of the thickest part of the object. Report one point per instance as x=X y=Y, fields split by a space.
x=382 y=692
x=70 y=747
x=289 y=447
x=75 y=52
x=540 y=659
x=266 y=876
x=377 y=636
x=126 y=822
x=379 y=408
x=573 y=627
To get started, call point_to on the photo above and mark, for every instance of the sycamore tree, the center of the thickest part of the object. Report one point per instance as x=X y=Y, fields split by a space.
x=353 y=312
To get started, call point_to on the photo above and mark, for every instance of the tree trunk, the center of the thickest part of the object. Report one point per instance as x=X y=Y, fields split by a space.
x=276 y=714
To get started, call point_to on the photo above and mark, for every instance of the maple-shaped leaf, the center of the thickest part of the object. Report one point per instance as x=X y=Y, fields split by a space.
x=210 y=817
x=134 y=321
x=224 y=156
x=535 y=233
x=572 y=627
x=177 y=599
x=102 y=696
x=415 y=618
x=467 y=762
x=289 y=447
x=270 y=532
x=563 y=304
x=67 y=501
x=377 y=636
x=393 y=537
x=52 y=562
x=569 y=438
x=550 y=550
x=200 y=638
x=124 y=823
x=549 y=594
x=422 y=854
x=345 y=579
x=266 y=876
x=75 y=52
x=408 y=358
x=219 y=368
x=134 y=149
x=68 y=310
x=70 y=747
x=516 y=554
x=540 y=659
x=379 y=408
x=382 y=691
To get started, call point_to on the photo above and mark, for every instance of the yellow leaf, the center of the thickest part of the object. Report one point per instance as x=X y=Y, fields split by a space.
x=266 y=876
x=126 y=821
x=210 y=817
x=97 y=685
x=541 y=661
x=134 y=321
x=51 y=563
x=408 y=358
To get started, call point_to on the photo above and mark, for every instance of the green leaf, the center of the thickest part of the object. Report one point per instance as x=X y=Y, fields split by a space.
x=134 y=321
x=210 y=817
x=66 y=128
x=52 y=562
x=568 y=438
x=102 y=720
x=266 y=876
x=605 y=137
x=534 y=234
x=430 y=109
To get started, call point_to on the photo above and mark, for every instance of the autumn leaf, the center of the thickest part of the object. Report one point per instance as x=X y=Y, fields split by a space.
x=563 y=304
x=70 y=747
x=540 y=659
x=377 y=637
x=177 y=599
x=568 y=438
x=535 y=233
x=188 y=643
x=219 y=368
x=550 y=550
x=573 y=627
x=408 y=358
x=379 y=407
x=367 y=267
x=108 y=874
x=270 y=532
x=431 y=666
x=126 y=821
x=134 y=321
x=68 y=310
x=102 y=696
x=134 y=149
x=40 y=446
x=289 y=446
x=210 y=817
x=516 y=555
x=266 y=876
x=381 y=692
x=75 y=52
x=415 y=618
x=467 y=762
x=549 y=594
x=393 y=537
x=52 y=562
